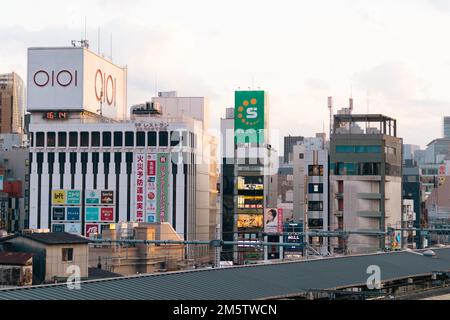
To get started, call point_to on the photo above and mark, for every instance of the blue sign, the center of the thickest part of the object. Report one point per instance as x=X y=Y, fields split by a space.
x=73 y=214
x=58 y=228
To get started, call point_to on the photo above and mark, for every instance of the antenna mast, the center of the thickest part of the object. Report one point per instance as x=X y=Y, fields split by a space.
x=330 y=108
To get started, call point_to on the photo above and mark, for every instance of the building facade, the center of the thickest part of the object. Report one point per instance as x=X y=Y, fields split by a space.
x=12 y=103
x=289 y=143
x=365 y=181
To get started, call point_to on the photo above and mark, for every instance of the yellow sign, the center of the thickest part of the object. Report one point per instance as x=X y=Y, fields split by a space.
x=250 y=221
x=58 y=197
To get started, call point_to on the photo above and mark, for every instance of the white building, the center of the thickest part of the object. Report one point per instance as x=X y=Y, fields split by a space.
x=91 y=167
x=311 y=188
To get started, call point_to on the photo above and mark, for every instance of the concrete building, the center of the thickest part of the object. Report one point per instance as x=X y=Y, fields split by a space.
x=96 y=167
x=248 y=176
x=53 y=254
x=289 y=143
x=130 y=260
x=365 y=180
x=446 y=127
x=409 y=150
x=16 y=269
x=412 y=190
x=409 y=221
x=311 y=189
x=12 y=103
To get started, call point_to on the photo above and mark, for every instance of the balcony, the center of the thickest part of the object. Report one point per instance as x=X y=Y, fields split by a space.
x=369 y=214
x=369 y=196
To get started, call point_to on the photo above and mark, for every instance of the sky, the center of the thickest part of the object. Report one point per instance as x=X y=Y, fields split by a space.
x=393 y=57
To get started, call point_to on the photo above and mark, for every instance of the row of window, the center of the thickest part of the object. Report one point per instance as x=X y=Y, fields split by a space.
x=363 y=169
x=358 y=149
x=113 y=139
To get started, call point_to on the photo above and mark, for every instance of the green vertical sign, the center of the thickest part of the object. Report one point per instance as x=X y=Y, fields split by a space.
x=249 y=118
x=162 y=180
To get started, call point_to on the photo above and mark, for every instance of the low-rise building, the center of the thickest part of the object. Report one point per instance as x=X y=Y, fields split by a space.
x=16 y=269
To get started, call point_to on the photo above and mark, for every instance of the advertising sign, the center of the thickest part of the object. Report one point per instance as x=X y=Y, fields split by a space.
x=75 y=79
x=107 y=214
x=273 y=221
x=107 y=197
x=249 y=115
x=151 y=191
x=92 y=229
x=1 y=183
x=93 y=197
x=163 y=187
x=247 y=221
x=59 y=214
x=140 y=187
x=442 y=170
x=73 y=214
x=58 y=228
x=73 y=197
x=59 y=197
x=92 y=214
x=73 y=228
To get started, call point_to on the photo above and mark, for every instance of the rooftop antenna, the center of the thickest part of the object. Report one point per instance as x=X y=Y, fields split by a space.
x=330 y=108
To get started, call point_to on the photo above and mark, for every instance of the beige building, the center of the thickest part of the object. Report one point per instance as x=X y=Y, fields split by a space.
x=131 y=259
x=12 y=103
x=53 y=254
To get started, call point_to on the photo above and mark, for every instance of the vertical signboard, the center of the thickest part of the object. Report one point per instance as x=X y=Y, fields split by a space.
x=140 y=187
x=151 y=201
x=163 y=186
x=249 y=116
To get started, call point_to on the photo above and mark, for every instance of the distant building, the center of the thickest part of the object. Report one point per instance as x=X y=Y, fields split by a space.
x=409 y=151
x=289 y=143
x=311 y=189
x=446 y=127
x=53 y=254
x=16 y=269
x=365 y=180
x=12 y=103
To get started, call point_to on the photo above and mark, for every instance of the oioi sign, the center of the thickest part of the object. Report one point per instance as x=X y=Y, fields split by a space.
x=249 y=116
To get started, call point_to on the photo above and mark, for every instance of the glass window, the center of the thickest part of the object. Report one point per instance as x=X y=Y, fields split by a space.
x=174 y=138
x=73 y=139
x=62 y=139
x=140 y=139
x=315 y=171
x=51 y=139
x=151 y=139
x=315 y=206
x=185 y=138
x=301 y=156
x=40 y=142
x=315 y=188
x=84 y=139
x=129 y=139
x=67 y=254
x=106 y=139
x=118 y=139
x=95 y=139
x=163 y=139
x=345 y=149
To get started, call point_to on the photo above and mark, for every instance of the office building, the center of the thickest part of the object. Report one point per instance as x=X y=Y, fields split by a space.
x=91 y=166
x=12 y=103
x=446 y=127
x=289 y=143
x=365 y=181
x=311 y=189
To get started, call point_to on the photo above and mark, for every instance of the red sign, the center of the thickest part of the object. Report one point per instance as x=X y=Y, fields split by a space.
x=140 y=187
x=107 y=214
x=442 y=170
x=151 y=168
x=280 y=220
x=92 y=229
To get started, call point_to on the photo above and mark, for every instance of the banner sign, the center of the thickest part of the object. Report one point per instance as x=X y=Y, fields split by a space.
x=163 y=187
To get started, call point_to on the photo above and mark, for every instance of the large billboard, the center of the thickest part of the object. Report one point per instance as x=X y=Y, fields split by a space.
x=249 y=116
x=250 y=221
x=273 y=221
x=75 y=79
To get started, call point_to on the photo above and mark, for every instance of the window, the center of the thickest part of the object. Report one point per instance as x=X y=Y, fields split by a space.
x=174 y=138
x=84 y=139
x=95 y=139
x=51 y=139
x=129 y=139
x=369 y=169
x=315 y=206
x=106 y=139
x=163 y=139
x=390 y=150
x=315 y=171
x=73 y=139
x=358 y=149
x=118 y=139
x=67 y=254
x=40 y=142
x=185 y=138
x=315 y=188
x=62 y=139
x=302 y=156
x=140 y=139
x=151 y=139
